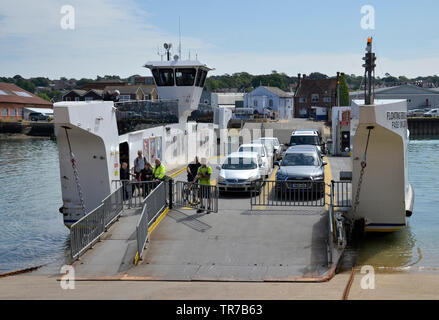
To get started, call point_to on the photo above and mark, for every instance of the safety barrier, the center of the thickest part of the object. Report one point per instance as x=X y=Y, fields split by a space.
x=288 y=193
x=87 y=230
x=197 y=196
x=153 y=205
x=342 y=194
x=135 y=191
x=338 y=198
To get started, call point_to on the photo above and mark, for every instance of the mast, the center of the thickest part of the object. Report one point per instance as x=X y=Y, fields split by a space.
x=369 y=73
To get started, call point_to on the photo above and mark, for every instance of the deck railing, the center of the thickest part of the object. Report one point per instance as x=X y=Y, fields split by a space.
x=153 y=205
x=86 y=231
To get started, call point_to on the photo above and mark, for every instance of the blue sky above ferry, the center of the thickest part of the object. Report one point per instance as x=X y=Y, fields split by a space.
x=118 y=37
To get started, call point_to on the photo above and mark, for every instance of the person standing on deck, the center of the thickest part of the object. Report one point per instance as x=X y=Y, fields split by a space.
x=139 y=164
x=125 y=177
x=192 y=171
x=145 y=176
x=203 y=176
x=158 y=173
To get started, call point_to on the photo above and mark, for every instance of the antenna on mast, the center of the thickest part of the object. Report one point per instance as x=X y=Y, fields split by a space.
x=179 y=34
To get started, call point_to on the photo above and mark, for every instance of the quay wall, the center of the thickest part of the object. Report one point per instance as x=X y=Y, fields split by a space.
x=35 y=129
x=423 y=127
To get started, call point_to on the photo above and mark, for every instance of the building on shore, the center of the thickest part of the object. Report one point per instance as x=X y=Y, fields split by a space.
x=229 y=100
x=312 y=94
x=265 y=98
x=127 y=93
x=14 y=100
x=417 y=97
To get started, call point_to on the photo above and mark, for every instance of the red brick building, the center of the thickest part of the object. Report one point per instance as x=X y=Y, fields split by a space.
x=314 y=93
x=14 y=99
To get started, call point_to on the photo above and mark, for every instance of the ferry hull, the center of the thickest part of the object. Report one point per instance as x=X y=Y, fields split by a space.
x=385 y=194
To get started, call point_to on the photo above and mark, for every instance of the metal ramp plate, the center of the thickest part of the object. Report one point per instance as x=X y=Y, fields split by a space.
x=237 y=245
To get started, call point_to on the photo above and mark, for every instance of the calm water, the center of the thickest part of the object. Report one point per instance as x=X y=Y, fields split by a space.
x=31 y=229
x=32 y=232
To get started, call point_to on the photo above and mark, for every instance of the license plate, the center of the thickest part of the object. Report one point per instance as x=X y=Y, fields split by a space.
x=298 y=185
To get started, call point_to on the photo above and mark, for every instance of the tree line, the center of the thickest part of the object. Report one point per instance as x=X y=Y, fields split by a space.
x=242 y=81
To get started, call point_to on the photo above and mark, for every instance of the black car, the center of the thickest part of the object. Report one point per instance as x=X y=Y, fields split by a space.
x=37 y=116
x=301 y=173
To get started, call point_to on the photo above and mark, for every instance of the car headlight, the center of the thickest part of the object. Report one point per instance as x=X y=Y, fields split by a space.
x=317 y=177
x=253 y=178
x=221 y=179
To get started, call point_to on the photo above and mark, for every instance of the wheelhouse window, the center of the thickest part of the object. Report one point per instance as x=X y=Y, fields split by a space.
x=201 y=78
x=163 y=77
x=185 y=76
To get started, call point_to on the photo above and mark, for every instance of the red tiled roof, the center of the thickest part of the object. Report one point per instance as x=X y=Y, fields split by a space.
x=12 y=97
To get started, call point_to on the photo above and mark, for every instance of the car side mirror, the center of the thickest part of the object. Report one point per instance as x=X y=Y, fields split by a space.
x=324 y=163
x=218 y=167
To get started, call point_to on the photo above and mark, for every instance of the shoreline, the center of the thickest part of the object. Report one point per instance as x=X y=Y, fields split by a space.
x=20 y=136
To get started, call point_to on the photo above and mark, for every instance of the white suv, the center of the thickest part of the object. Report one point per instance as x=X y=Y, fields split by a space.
x=306 y=137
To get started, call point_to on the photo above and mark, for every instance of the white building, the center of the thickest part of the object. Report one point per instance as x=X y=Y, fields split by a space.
x=227 y=99
x=271 y=98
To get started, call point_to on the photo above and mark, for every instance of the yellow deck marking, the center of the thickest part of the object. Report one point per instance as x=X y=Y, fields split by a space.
x=328 y=179
x=270 y=187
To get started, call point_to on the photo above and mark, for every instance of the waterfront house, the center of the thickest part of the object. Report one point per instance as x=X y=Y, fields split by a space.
x=265 y=98
x=93 y=95
x=74 y=95
x=314 y=93
x=128 y=93
x=13 y=101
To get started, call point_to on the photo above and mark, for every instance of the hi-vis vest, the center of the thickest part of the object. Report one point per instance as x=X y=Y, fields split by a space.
x=207 y=170
x=158 y=172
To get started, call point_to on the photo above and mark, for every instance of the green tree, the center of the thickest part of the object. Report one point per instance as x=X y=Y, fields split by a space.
x=343 y=91
x=44 y=96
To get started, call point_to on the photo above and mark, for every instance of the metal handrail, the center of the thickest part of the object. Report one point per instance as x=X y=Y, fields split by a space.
x=88 y=230
x=153 y=205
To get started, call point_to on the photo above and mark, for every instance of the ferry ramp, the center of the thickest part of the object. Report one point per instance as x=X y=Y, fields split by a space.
x=237 y=244
x=271 y=244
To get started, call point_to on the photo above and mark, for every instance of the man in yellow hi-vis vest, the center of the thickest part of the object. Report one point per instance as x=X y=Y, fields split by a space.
x=203 y=176
x=158 y=173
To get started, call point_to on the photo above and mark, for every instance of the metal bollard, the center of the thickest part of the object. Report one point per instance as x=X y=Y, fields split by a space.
x=171 y=181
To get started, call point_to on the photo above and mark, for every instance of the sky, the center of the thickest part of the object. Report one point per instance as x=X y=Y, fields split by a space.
x=114 y=37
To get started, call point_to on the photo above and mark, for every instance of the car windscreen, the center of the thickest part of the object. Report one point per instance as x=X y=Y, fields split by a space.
x=266 y=142
x=300 y=159
x=301 y=140
x=239 y=164
x=252 y=149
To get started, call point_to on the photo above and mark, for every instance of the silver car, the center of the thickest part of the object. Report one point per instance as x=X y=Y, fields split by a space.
x=267 y=160
x=273 y=143
x=241 y=171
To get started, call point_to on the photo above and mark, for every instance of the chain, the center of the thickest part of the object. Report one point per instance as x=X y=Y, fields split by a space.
x=360 y=180
x=76 y=174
